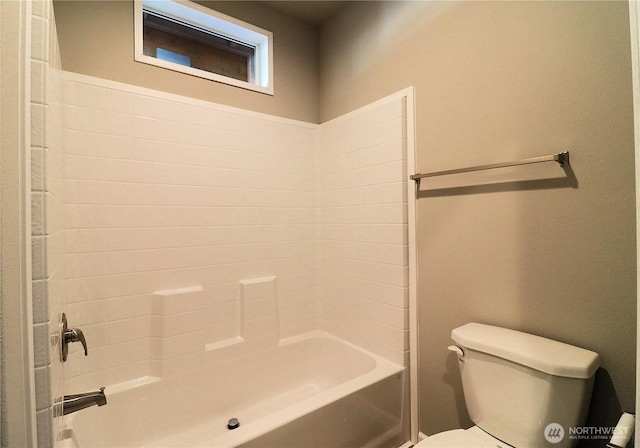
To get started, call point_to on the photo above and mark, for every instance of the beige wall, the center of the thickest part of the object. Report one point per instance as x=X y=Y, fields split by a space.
x=97 y=39
x=499 y=81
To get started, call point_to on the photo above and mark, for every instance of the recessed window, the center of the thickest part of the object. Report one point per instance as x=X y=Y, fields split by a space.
x=190 y=38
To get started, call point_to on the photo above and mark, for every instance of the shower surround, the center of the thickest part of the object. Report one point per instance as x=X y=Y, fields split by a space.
x=275 y=227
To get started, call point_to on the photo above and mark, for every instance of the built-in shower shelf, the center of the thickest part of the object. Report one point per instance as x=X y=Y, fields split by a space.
x=224 y=343
x=131 y=384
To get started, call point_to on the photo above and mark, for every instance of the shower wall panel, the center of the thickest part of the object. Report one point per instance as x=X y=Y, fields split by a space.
x=47 y=217
x=362 y=198
x=167 y=192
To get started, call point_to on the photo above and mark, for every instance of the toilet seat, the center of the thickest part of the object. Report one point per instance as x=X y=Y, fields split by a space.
x=473 y=437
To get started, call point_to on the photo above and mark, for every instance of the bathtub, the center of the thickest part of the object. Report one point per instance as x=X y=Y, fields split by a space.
x=312 y=391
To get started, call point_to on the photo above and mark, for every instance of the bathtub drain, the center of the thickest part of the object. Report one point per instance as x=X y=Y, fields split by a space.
x=233 y=423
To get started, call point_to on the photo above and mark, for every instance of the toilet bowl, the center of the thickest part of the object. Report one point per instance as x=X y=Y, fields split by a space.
x=551 y=380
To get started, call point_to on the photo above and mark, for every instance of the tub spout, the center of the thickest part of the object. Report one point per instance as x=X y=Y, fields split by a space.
x=77 y=402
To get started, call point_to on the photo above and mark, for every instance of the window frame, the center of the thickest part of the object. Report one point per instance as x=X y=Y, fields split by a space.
x=218 y=23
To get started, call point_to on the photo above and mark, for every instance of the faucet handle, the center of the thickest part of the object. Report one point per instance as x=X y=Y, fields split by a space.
x=76 y=335
x=71 y=335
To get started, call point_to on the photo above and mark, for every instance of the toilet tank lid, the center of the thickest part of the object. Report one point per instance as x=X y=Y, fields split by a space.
x=546 y=355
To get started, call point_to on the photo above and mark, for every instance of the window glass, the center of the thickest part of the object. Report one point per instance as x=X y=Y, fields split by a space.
x=186 y=37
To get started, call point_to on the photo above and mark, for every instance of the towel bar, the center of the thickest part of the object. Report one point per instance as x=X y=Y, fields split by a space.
x=562 y=159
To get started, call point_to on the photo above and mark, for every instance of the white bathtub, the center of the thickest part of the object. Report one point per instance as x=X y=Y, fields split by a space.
x=315 y=391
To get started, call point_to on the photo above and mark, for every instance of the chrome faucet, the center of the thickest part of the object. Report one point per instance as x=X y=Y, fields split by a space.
x=69 y=335
x=77 y=402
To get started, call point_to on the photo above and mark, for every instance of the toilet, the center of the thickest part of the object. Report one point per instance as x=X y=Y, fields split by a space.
x=521 y=390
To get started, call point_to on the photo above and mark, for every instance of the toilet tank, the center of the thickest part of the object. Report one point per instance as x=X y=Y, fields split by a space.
x=517 y=384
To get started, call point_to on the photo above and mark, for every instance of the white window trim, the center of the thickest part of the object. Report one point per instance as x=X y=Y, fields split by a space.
x=222 y=24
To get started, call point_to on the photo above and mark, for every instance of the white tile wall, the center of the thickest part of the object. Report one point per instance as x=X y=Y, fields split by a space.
x=47 y=217
x=162 y=192
x=167 y=192
x=363 y=285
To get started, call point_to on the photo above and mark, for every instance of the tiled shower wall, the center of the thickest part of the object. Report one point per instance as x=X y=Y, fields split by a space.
x=47 y=215
x=166 y=192
x=363 y=293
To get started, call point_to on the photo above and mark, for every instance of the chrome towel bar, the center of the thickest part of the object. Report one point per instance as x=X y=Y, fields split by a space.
x=562 y=159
